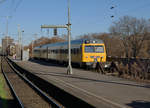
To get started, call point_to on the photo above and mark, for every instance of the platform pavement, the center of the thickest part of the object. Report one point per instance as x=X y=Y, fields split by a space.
x=94 y=87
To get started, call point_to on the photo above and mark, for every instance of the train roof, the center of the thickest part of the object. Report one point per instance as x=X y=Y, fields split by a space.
x=78 y=41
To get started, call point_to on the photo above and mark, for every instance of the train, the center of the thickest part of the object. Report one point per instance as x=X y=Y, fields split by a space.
x=84 y=52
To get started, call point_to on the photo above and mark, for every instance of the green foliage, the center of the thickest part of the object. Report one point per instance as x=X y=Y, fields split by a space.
x=3 y=93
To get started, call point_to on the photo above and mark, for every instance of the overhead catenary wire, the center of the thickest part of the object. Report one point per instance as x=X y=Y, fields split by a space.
x=16 y=5
x=1 y=1
x=136 y=9
x=112 y=9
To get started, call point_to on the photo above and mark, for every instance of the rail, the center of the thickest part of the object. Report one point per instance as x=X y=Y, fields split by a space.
x=66 y=99
x=40 y=92
x=19 y=103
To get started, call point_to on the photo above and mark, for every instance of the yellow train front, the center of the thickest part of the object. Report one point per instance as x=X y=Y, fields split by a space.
x=83 y=52
x=93 y=51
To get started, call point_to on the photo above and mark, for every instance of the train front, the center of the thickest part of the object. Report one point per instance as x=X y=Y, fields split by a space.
x=93 y=52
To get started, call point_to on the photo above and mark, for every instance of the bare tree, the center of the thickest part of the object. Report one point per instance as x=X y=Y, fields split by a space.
x=112 y=48
x=132 y=32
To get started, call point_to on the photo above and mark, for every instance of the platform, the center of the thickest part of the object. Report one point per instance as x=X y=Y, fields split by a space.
x=94 y=88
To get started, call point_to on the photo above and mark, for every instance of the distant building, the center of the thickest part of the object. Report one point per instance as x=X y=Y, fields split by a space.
x=11 y=49
x=6 y=41
x=18 y=50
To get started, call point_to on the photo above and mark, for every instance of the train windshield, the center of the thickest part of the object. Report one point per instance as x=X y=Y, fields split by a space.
x=94 y=49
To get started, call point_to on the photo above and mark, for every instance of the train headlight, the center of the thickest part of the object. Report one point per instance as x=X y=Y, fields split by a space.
x=87 y=41
x=106 y=66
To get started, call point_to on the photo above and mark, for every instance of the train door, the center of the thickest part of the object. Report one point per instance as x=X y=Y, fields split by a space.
x=47 y=53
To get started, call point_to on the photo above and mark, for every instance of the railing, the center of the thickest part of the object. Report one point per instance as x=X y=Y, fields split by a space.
x=133 y=67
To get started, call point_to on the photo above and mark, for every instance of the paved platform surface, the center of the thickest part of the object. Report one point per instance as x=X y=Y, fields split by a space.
x=93 y=87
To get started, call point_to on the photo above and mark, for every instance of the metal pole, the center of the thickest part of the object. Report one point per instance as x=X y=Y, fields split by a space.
x=33 y=42
x=6 y=45
x=69 y=69
x=7 y=17
x=32 y=48
x=7 y=35
x=19 y=41
x=7 y=25
x=21 y=44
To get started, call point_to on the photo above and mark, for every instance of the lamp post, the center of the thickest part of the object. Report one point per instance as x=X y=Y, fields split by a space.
x=69 y=68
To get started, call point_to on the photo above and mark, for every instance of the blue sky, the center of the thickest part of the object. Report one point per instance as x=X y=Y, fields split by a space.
x=87 y=16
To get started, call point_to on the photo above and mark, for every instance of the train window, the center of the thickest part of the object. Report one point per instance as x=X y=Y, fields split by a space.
x=62 y=51
x=35 y=50
x=89 y=49
x=74 y=51
x=44 y=51
x=94 y=49
x=99 y=49
x=66 y=51
x=49 y=51
x=77 y=50
x=56 y=51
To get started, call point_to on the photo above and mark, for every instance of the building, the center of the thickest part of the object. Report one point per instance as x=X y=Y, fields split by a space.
x=11 y=49
x=6 y=41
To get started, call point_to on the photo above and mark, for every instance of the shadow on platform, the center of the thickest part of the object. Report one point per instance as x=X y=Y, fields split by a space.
x=78 y=77
x=46 y=63
x=88 y=79
x=139 y=104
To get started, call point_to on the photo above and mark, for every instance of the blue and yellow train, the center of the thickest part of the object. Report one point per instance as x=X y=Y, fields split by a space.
x=83 y=51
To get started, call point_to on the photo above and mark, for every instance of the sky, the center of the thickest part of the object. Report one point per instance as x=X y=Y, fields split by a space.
x=87 y=16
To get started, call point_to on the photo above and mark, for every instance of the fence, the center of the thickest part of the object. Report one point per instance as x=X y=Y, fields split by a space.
x=133 y=67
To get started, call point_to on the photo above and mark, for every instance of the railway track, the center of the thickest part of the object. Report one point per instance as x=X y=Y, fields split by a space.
x=26 y=94
x=53 y=97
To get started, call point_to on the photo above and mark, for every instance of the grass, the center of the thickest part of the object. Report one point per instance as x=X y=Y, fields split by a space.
x=3 y=92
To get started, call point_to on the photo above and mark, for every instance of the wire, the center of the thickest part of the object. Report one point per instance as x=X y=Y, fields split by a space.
x=16 y=5
x=1 y=1
x=112 y=9
x=137 y=8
